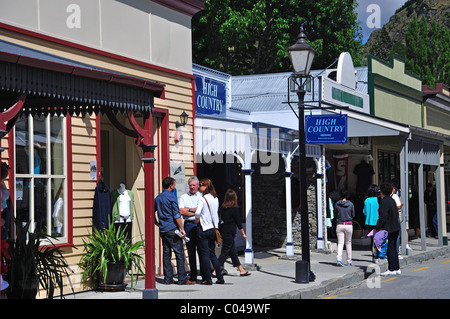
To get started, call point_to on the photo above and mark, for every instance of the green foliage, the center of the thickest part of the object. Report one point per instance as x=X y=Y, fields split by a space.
x=110 y=245
x=30 y=262
x=251 y=36
x=383 y=47
x=428 y=51
x=418 y=33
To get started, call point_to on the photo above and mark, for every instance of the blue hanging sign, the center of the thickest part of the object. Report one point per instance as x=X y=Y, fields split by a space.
x=326 y=129
x=210 y=96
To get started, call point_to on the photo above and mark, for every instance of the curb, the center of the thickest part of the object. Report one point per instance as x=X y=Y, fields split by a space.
x=357 y=277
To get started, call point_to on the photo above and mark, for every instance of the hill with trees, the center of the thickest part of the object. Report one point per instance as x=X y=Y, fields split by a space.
x=419 y=33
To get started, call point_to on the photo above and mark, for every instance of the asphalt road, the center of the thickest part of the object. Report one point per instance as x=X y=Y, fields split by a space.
x=427 y=280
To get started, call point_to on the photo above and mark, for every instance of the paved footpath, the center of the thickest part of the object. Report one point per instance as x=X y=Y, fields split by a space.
x=275 y=276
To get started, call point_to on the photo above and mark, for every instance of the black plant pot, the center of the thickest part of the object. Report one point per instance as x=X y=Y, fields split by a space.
x=24 y=289
x=114 y=278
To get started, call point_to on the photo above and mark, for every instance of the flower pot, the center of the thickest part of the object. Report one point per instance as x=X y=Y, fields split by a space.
x=24 y=289
x=114 y=278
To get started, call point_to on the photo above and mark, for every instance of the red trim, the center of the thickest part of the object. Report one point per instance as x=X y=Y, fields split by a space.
x=193 y=126
x=163 y=159
x=11 y=112
x=69 y=181
x=149 y=175
x=164 y=148
x=92 y=50
x=59 y=245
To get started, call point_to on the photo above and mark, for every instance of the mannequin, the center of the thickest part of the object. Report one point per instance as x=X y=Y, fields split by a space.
x=364 y=172
x=58 y=212
x=122 y=202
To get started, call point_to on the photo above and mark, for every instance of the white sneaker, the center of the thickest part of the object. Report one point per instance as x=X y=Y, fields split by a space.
x=388 y=273
x=398 y=272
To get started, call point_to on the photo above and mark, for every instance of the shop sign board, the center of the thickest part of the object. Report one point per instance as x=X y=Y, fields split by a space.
x=326 y=129
x=210 y=96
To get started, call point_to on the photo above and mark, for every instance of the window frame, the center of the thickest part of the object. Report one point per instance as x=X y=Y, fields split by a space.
x=67 y=238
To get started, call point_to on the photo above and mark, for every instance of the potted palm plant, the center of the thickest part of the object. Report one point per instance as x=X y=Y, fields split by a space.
x=33 y=266
x=109 y=253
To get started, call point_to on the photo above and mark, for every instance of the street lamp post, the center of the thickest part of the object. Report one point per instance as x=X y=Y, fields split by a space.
x=302 y=55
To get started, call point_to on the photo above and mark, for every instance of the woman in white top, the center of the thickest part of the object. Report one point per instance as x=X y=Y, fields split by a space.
x=208 y=217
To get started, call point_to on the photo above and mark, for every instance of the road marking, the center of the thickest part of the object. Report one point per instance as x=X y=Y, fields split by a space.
x=386 y=280
x=419 y=269
x=444 y=262
x=335 y=296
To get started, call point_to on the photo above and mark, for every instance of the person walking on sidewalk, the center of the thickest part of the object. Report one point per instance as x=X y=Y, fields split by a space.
x=388 y=221
x=231 y=219
x=344 y=212
x=169 y=220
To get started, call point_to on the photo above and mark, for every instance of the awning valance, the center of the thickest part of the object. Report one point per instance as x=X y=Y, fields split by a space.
x=67 y=87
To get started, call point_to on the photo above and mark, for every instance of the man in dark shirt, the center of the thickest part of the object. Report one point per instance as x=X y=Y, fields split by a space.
x=169 y=220
x=388 y=221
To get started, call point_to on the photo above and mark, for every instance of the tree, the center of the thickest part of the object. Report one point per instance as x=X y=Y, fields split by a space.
x=428 y=51
x=251 y=36
x=383 y=47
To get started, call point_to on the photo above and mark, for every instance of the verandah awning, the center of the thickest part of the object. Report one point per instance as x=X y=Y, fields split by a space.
x=59 y=86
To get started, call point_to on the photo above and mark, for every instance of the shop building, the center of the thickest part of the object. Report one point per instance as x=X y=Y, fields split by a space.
x=92 y=92
x=341 y=92
x=415 y=159
x=436 y=119
x=383 y=105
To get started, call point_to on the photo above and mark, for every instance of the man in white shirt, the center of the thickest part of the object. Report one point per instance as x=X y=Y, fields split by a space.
x=188 y=206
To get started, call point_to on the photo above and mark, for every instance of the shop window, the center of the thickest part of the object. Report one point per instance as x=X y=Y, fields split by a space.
x=388 y=167
x=41 y=174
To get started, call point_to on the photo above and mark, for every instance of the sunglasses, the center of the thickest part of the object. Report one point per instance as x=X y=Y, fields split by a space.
x=202 y=185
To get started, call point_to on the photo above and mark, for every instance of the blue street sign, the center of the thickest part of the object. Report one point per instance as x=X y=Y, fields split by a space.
x=210 y=96
x=326 y=129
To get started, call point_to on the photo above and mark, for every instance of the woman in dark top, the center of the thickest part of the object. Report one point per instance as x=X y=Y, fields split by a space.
x=388 y=221
x=229 y=212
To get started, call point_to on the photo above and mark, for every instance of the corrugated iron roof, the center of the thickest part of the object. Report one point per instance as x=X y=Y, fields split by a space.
x=269 y=92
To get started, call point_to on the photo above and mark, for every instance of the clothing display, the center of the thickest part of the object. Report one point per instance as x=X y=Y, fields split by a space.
x=364 y=171
x=101 y=209
x=122 y=203
x=58 y=216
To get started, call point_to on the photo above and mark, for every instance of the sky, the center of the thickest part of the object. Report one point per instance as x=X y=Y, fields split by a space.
x=373 y=14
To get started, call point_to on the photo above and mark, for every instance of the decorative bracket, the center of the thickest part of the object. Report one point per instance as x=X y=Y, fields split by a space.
x=11 y=115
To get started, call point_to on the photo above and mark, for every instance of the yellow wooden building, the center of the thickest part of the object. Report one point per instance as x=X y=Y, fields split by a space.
x=78 y=81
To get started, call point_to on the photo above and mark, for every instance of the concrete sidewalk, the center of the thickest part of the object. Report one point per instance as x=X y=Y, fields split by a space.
x=275 y=276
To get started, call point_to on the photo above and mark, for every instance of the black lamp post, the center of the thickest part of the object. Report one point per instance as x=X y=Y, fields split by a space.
x=302 y=55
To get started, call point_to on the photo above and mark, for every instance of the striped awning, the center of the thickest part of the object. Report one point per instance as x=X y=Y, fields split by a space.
x=58 y=86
